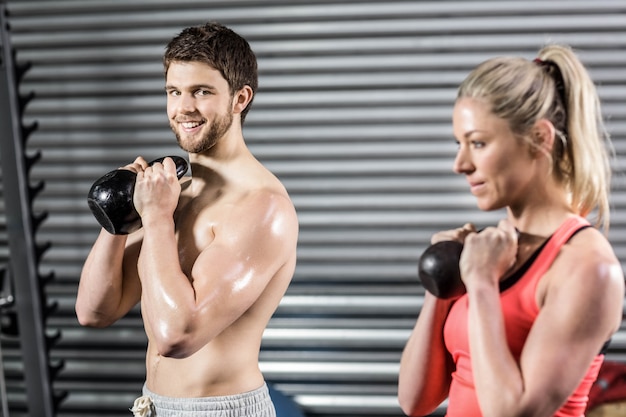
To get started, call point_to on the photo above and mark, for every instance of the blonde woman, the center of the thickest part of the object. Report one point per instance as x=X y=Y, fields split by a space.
x=544 y=287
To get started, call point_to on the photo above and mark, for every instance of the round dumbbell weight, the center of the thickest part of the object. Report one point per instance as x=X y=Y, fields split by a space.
x=438 y=269
x=111 y=198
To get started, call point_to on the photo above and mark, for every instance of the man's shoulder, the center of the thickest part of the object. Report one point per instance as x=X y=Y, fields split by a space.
x=271 y=200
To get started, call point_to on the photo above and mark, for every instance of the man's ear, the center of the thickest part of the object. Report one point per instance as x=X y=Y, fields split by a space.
x=242 y=98
x=543 y=134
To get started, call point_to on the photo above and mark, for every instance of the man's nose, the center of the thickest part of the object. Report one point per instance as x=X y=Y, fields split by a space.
x=187 y=103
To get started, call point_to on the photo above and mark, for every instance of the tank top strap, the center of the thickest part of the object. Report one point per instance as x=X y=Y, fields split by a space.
x=560 y=237
x=523 y=285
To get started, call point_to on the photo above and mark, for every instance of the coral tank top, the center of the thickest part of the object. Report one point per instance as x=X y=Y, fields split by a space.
x=519 y=308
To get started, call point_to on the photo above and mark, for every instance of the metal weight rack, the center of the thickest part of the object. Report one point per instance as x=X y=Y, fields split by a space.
x=28 y=286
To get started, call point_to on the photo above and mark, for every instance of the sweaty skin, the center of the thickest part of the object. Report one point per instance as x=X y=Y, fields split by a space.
x=216 y=253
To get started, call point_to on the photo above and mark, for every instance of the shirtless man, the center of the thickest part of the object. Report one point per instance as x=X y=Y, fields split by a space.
x=217 y=251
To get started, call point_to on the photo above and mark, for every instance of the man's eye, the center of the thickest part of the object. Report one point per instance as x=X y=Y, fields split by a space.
x=202 y=93
x=174 y=93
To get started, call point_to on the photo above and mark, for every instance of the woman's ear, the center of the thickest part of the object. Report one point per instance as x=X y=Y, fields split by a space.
x=242 y=98
x=543 y=134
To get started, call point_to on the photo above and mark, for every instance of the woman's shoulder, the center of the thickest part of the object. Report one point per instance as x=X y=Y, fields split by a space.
x=589 y=245
x=588 y=260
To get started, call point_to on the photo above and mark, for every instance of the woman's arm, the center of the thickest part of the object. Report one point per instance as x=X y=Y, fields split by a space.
x=581 y=308
x=426 y=366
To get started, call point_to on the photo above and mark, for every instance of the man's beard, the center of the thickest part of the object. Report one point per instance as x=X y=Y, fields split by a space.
x=217 y=130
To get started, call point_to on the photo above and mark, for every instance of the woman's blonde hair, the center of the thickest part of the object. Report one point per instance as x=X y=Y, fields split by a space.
x=556 y=87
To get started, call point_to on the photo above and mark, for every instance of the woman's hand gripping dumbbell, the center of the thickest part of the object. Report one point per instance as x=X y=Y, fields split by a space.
x=439 y=265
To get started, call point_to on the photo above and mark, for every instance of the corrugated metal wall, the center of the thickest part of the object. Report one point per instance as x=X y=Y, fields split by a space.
x=353 y=114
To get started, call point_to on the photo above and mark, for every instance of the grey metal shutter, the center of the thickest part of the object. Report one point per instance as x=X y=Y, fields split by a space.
x=353 y=114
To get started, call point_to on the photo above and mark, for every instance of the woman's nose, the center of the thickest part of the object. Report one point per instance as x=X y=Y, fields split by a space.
x=462 y=161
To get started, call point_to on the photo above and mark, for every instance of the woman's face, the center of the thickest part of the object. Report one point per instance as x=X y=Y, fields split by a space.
x=498 y=166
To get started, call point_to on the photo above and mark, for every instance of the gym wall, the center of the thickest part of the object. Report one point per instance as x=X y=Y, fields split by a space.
x=353 y=114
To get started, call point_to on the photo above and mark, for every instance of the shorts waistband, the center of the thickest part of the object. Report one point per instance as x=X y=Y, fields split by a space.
x=256 y=403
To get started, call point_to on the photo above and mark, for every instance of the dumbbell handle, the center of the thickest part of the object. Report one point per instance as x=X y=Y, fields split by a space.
x=181 y=164
x=438 y=269
x=110 y=198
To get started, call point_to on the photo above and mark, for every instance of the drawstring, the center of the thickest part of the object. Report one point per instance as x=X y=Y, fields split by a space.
x=142 y=406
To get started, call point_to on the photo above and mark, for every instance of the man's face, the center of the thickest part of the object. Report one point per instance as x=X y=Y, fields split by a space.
x=199 y=105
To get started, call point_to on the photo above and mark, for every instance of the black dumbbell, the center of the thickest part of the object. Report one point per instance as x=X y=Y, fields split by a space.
x=111 y=198
x=438 y=269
